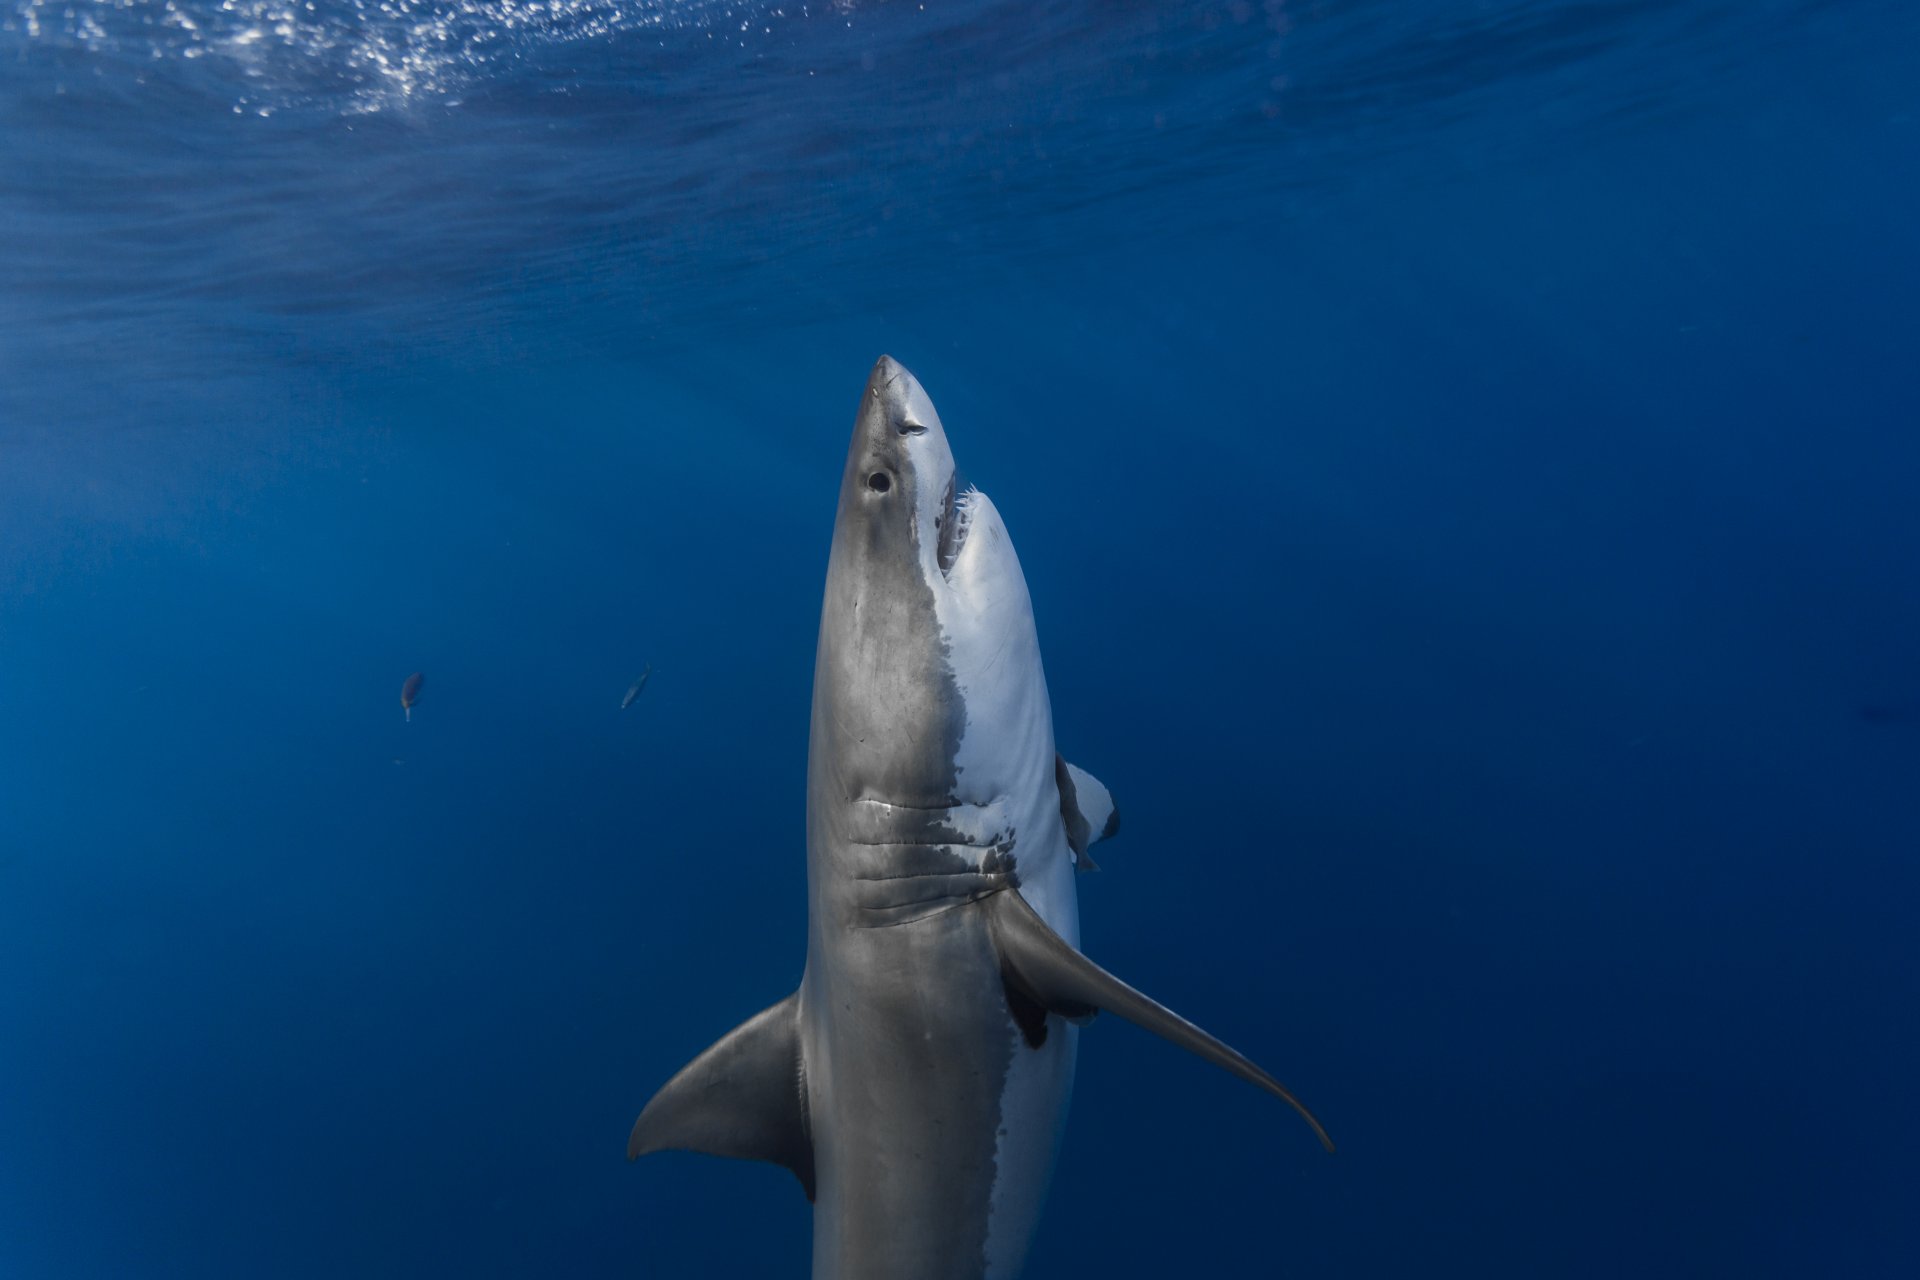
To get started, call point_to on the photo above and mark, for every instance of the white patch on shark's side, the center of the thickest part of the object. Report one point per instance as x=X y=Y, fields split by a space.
x=1033 y=1118
x=1006 y=753
x=1006 y=762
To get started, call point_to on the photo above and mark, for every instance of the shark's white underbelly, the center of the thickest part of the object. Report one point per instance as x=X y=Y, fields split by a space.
x=1033 y=1102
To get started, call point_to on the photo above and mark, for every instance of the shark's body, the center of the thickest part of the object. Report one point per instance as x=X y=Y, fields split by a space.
x=918 y=1081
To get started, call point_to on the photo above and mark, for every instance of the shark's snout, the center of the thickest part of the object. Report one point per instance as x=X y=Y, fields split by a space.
x=901 y=404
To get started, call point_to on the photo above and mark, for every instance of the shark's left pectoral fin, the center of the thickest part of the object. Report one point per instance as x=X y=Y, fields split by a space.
x=1087 y=809
x=741 y=1098
x=1048 y=970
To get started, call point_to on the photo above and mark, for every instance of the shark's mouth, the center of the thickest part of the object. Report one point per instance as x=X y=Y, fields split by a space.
x=956 y=516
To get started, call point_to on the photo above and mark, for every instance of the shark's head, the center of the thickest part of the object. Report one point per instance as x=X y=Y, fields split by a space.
x=898 y=490
x=922 y=589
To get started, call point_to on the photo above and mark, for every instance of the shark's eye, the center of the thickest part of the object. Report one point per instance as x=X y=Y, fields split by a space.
x=879 y=482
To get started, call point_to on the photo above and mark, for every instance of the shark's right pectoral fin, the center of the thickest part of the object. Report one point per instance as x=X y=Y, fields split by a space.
x=1049 y=970
x=742 y=1098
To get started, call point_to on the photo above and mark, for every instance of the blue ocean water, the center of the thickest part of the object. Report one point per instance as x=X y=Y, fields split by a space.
x=1464 y=456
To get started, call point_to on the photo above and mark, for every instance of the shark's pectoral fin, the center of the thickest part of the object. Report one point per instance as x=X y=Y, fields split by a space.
x=1086 y=806
x=1048 y=970
x=742 y=1098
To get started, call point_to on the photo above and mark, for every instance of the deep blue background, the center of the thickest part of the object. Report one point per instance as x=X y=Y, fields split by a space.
x=1464 y=457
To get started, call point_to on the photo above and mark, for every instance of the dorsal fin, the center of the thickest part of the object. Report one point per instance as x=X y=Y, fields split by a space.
x=1048 y=970
x=1087 y=807
x=744 y=1098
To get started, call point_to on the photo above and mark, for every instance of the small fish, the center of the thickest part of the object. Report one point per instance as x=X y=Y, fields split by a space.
x=633 y=690
x=410 y=693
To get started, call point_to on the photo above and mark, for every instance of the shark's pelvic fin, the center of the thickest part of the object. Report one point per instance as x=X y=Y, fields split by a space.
x=1042 y=965
x=744 y=1097
x=1087 y=808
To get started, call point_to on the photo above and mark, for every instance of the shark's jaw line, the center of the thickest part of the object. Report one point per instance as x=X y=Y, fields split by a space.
x=955 y=520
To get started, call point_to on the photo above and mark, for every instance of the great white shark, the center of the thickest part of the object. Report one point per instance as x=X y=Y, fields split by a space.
x=917 y=1082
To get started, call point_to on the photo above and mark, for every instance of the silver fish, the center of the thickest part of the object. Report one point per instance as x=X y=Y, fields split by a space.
x=633 y=690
